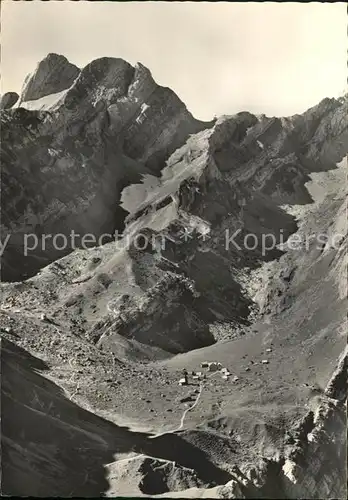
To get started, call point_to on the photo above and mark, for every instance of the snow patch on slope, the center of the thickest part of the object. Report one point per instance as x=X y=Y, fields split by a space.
x=44 y=103
x=135 y=195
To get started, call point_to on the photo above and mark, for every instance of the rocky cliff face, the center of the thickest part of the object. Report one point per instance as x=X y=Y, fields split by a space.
x=202 y=267
x=102 y=128
x=52 y=75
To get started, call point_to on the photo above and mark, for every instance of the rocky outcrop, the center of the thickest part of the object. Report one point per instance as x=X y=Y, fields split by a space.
x=149 y=476
x=337 y=385
x=323 y=131
x=8 y=100
x=317 y=469
x=315 y=466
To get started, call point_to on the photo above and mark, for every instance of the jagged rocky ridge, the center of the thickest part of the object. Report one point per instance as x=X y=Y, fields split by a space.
x=98 y=127
x=157 y=171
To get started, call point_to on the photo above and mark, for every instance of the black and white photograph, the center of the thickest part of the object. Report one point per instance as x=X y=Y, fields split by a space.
x=173 y=251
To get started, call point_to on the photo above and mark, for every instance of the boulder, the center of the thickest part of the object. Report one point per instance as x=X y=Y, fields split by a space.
x=8 y=100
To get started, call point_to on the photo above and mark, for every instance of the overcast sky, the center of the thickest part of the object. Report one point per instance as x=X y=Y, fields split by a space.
x=220 y=58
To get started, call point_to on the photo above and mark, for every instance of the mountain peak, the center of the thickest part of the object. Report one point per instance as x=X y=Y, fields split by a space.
x=53 y=74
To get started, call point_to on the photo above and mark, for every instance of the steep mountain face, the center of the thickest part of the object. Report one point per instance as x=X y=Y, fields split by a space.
x=203 y=266
x=54 y=74
x=98 y=128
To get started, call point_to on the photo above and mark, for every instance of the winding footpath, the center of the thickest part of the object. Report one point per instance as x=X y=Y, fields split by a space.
x=189 y=409
x=182 y=420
